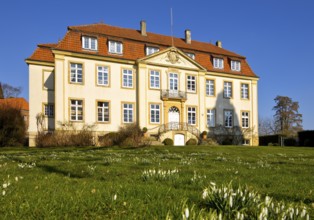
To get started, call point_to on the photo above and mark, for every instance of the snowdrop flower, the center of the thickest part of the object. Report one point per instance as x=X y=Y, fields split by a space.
x=16 y=178
x=3 y=193
x=4 y=185
x=187 y=213
x=115 y=197
x=205 y=193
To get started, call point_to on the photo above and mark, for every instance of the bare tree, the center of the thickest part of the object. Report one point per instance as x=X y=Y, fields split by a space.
x=7 y=91
x=287 y=119
x=266 y=126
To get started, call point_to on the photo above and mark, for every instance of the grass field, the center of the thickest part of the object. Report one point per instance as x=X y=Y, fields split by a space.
x=147 y=183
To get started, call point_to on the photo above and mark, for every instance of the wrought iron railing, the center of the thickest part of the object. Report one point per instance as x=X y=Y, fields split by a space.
x=179 y=126
x=172 y=94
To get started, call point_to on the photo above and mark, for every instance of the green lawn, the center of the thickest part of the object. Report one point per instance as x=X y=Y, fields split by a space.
x=115 y=183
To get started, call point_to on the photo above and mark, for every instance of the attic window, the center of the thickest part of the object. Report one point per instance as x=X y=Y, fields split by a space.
x=150 y=50
x=115 y=47
x=235 y=65
x=218 y=63
x=191 y=55
x=89 y=43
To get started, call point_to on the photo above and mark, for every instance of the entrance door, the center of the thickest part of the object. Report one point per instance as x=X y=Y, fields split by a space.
x=173 y=118
x=173 y=85
x=179 y=140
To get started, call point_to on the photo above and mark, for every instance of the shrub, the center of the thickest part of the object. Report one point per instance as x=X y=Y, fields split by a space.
x=144 y=130
x=129 y=135
x=306 y=138
x=109 y=140
x=12 y=127
x=192 y=141
x=209 y=142
x=290 y=142
x=168 y=141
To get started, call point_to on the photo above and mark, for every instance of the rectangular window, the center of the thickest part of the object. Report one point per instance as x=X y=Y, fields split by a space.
x=89 y=43
x=128 y=113
x=127 y=78
x=115 y=47
x=244 y=91
x=228 y=114
x=210 y=87
x=191 y=55
x=76 y=73
x=245 y=119
x=191 y=115
x=103 y=75
x=154 y=113
x=76 y=107
x=173 y=82
x=211 y=118
x=235 y=65
x=191 y=83
x=49 y=110
x=246 y=142
x=151 y=50
x=218 y=63
x=227 y=89
x=154 y=79
x=103 y=111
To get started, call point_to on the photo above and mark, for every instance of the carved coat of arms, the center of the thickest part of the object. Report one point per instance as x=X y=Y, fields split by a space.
x=173 y=56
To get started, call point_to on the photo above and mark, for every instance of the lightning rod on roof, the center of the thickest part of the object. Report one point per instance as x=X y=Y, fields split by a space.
x=171 y=24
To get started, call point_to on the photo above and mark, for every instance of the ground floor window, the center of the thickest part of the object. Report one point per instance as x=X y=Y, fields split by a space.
x=103 y=111
x=49 y=110
x=246 y=142
x=211 y=118
x=245 y=119
x=76 y=110
x=128 y=112
x=191 y=115
x=154 y=113
x=228 y=114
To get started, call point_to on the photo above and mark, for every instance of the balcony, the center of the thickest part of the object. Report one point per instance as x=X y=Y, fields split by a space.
x=167 y=94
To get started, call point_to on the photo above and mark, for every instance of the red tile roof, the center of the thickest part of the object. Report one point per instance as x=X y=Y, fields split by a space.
x=134 y=46
x=18 y=103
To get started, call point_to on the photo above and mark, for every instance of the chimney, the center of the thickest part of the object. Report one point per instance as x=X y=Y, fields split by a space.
x=187 y=36
x=219 y=43
x=143 y=28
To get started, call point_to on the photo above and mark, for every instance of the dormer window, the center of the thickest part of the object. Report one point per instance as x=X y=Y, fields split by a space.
x=218 y=63
x=191 y=55
x=151 y=50
x=115 y=47
x=235 y=65
x=89 y=43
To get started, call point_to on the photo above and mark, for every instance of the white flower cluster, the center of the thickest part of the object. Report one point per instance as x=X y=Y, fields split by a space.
x=160 y=174
x=243 y=203
x=26 y=165
x=6 y=184
x=196 y=177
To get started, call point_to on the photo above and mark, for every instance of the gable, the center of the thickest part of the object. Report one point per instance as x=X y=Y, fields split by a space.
x=172 y=57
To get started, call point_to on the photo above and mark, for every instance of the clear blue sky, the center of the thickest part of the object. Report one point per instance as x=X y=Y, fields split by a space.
x=276 y=36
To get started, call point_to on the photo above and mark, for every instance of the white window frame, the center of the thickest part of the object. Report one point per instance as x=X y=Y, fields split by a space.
x=154 y=113
x=150 y=50
x=191 y=83
x=127 y=78
x=76 y=73
x=173 y=82
x=244 y=91
x=49 y=110
x=191 y=55
x=103 y=75
x=228 y=118
x=87 y=43
x=115 y=47
x=210 y=87
x=154 y=78
x=128 y=112
x=218 y=63
x=246 y=142
x=211 y=118
x=235 y=65
x=76 y=110
x=228 y=90
x=245 y=119
x=103 y=111
x=191 y=115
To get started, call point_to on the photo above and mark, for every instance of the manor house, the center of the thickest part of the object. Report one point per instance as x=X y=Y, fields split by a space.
x=111 y=76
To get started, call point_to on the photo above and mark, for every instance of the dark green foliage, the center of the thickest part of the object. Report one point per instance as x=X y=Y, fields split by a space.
x=290 y=142
x=12 y=127
x=266 y=140
x=306 y=138
x=192 y=141
x=144 y=130
x=168 y=141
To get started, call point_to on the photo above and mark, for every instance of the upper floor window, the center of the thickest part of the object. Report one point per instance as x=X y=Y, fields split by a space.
x=210 y=87
x=103 y=75
x=211 y=118
x=235 y=65
x=191 y=83
x=154 y=79
x=89 y=43
x=245 y=119
x=76 y=112
x=191 y=55
x=228 y=115
x=154 y=113
x=151 y=50
x=191 y=115
x=127 y=78
x=115 y=47
x=218 y=63
x=49 y=109
x=103 y=111
x=76 y=73
x=227 y=89
x=244 y=91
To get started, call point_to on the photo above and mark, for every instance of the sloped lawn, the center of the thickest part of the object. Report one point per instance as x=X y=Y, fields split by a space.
x=147 y=183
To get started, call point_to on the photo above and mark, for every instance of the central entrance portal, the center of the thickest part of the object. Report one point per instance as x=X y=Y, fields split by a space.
x=173 y=118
